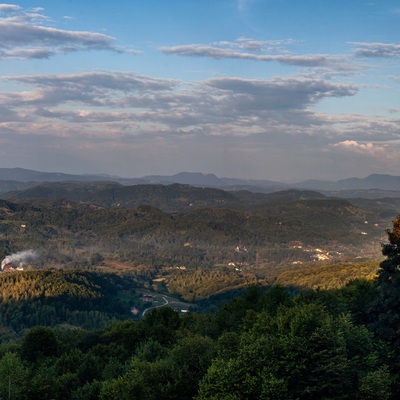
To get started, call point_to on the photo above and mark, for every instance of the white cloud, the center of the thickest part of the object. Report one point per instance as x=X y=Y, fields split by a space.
x=145 y=105
x=32 y=53
x=255 y=45
x=23 y=36
x=8 y=8
x=363 y=148
x=228 y=51
x=375 y=50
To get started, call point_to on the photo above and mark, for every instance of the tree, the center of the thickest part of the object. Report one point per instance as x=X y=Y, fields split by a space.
x=39 y=342
x=384 y=313
x=190 y=359
x=301 y=353
x=161 y=325
x=13 y=377
x=385 y=309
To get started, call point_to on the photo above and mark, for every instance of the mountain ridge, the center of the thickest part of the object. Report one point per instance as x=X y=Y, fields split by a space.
x=19 y=178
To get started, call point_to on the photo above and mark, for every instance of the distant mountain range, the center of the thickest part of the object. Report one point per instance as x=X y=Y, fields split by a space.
x=168 y=198
x=373 y=186
x=374 y=181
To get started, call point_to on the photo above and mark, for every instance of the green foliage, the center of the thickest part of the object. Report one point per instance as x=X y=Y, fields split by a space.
x=384 y=313
x=150 y=351
x=374 y=385
x=161 y=324
x=302 y=353
x=331 y=276
x=175 y=376
x=89 y=391
x=389 y=273
x=53 y=297
x=13 y=377
x=39 y=342
x=265 y=344
x=204 y=282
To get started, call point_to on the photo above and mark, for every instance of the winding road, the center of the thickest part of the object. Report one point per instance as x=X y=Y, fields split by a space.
x=161 y=305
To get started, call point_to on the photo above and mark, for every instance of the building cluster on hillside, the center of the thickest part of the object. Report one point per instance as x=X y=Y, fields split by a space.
x=314 y=253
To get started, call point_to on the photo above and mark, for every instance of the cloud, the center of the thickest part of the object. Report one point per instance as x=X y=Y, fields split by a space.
x=363 y=148
x=308 y=60
x=8 y=8
x=280 y=93
x=96 y=110
x=255 y=50
x=20 y=53
x=376 y=50
x=23 y=35
x=114 y=119
x=123 y=104
x=91 y=88
x=369 y=155
x=255 y=45
x=119 y=81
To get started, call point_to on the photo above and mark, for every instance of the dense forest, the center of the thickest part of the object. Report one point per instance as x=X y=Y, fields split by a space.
x=287 y=293
x=274 y=342
x=79 y=299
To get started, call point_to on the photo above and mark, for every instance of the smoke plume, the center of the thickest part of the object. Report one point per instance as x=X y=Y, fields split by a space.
x=20 y=259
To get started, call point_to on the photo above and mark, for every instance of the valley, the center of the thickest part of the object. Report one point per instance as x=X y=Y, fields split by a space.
x=194 y=242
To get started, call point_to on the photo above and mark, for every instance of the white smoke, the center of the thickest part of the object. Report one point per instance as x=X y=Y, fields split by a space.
x=20 y=259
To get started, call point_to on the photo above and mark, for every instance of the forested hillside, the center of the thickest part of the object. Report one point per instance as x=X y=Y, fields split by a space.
x=79 y=299
x=212 y=227
x=199 y=242
x=271 y=342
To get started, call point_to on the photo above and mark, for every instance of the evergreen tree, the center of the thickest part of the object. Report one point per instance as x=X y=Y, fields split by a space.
x=385 y=309
x=384 y=313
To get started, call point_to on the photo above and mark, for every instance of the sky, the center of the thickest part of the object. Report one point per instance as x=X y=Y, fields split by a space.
x=283 y=90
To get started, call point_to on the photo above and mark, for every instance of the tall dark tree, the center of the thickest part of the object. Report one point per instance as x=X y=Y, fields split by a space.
x=385 y=310
x=390 y=267
x=384 y=313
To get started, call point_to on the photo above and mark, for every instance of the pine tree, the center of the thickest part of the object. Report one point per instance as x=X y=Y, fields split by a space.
x=385 y=310
x=384 y=313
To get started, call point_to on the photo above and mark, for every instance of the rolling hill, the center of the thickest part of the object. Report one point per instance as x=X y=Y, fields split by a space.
x=372 y=185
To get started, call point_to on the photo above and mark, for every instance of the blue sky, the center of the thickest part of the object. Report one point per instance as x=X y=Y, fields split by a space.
x=266 y=89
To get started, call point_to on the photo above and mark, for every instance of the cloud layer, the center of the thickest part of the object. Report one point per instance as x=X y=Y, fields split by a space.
x=24 y=35
x=283 y=109
x=217 y=106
